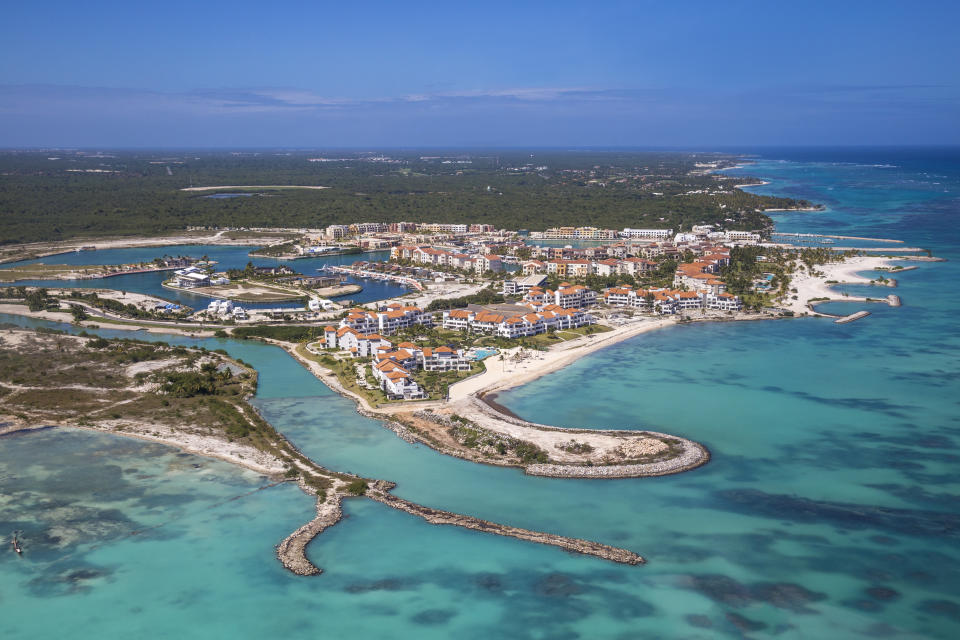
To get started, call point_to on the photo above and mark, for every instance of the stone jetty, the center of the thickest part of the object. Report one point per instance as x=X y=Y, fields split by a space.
x=292 y=551
x=380 y=491
x=694 y=455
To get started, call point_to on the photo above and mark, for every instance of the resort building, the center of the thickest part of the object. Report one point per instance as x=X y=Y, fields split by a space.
x=574 y=296
x=566 y=296
x=190 y=278
x=530 y=267
x=337 y=231
x=352 y=341
x=670 y=301
x=699 y=276
x=392 y=368
x=434 y=227
x=577 y=233
x=742 y=236
x=444 y=359
x=489 y=262
x=637 y=266
x=518 y=325
x=659 y=234
x=608 y=267
x=368 y=227
x=523 y=285
x=396 y=381
x=568 y=268
x=387 y=320
x=220 y=307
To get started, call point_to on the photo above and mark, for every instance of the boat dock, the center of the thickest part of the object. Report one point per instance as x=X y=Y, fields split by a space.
x=374 y=275
x=819 y=235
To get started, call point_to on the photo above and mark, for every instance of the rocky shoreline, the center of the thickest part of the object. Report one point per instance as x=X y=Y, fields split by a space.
x=694 y=454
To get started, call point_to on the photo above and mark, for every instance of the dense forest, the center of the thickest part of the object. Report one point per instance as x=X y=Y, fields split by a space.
x=53 y=195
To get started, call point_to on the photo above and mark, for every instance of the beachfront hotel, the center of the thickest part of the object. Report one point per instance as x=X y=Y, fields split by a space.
x=479 y=263
x=517 y=325
x=386 y=321
x=567 y=296
x=668 y=301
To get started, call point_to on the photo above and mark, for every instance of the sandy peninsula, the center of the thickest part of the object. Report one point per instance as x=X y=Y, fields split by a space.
x=820 y=287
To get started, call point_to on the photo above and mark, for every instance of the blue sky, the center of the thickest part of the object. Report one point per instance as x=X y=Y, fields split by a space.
x=356 y=74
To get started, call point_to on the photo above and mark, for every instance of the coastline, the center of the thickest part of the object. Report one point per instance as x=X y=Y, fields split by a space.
x=205 y=446
x=608 y=454
x=816 y=288
x=549 y=361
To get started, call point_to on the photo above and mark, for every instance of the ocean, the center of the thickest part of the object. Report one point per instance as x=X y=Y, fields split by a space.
x=829 y=509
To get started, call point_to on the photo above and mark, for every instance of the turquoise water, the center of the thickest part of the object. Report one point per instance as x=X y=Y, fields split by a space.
x=829 y=510
x=485 y=353
x=227 y=257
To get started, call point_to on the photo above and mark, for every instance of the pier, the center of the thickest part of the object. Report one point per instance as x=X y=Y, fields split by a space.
x=819 y=235
x=375 y=275
x=853 y=317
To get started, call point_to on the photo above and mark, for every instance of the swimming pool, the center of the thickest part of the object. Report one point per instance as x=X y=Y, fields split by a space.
x=480 y=354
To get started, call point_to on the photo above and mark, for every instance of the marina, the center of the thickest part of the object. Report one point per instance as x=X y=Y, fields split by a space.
x=374 y=275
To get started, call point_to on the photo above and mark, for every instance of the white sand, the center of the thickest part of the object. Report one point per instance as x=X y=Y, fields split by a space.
x=503 y=375
x=809 y=287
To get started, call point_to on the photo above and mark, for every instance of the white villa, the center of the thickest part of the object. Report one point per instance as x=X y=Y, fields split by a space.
x=191 y=277
x=670 y=301
x=516 y=326
x=387 y=320
x=567 y=296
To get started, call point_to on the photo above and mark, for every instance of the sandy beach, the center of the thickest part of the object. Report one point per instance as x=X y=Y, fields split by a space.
x=810 y=287
x=510 y=373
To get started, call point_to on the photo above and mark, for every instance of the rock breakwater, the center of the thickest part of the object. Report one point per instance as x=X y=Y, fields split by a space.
x=292 y=551
x=380 y=491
